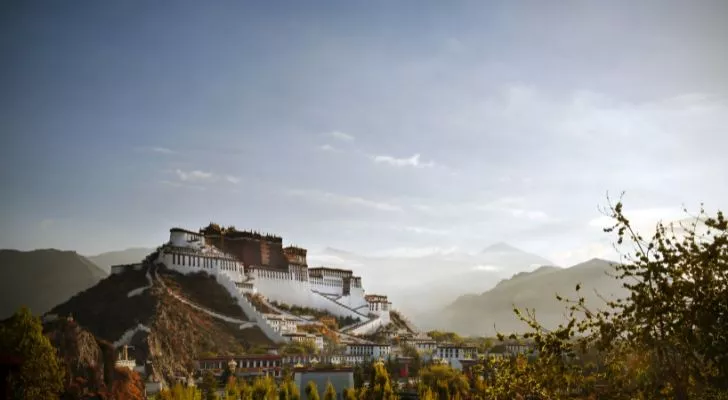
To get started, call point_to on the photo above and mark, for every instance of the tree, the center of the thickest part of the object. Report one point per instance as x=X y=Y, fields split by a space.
x=667 y=339
x=209 y=386
x=127 y=385
x=330 y=393
x=312 y=391
x=443 y=381
x=40 y=376
x=232 y=389
x=288 y=390
x=380 y=387
x=349 y=394
x=264 y=388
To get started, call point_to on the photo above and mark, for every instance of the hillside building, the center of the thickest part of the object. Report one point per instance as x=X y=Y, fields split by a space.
x=250 y=262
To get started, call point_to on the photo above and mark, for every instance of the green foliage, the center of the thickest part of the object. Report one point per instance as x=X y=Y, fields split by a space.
x=312 y=391
x=40 y=376
x=668 y=339
x=450 y=337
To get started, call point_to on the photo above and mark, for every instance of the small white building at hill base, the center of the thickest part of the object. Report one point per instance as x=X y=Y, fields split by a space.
x=249 y=262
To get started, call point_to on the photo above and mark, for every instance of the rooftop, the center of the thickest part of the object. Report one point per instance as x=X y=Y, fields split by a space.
x=330 y=269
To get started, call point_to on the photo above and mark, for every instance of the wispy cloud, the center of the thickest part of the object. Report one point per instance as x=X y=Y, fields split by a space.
x=327 y=147
x=422 y=230
x=343 y=200
x=415 y=252
x=413 y=161
x=158 y=150
x=195 y=176
x=181 y=185
x=343 y=136
x=232 y=179
x=489 y=268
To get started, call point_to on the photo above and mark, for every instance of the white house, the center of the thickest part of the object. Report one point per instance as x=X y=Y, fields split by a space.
x=368 y=350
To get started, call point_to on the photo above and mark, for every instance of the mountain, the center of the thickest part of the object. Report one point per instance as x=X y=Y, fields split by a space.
x=121 y=257
x=477 y=314
x=424 y=282
x=40 y=279
x=170 y=319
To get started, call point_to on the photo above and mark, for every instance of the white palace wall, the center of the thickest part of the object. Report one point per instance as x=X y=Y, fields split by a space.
x=279 y=287
x=318 y=292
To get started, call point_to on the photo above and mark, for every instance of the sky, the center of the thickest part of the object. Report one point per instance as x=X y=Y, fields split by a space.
x=378 y=127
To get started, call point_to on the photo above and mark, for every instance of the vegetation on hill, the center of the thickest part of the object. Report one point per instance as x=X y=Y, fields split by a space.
x=177 y=333
x=41 y=279
x=257 y=301
x=316 y=313
x=201 y=288
x=668 y=339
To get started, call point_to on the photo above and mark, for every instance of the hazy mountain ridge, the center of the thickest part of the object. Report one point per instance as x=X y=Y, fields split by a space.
x=41 y=279
x=493 y=310
x=422 y=283
x=120 y=257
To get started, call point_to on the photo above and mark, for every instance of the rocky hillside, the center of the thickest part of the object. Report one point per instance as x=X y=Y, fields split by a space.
x=493 y=310
x=169 y=318
x=41 y=279
x=87 y=361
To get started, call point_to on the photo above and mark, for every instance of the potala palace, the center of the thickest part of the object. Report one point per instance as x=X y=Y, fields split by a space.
x=252 y=263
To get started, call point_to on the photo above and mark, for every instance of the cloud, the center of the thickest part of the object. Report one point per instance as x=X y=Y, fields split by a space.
x=489 y=268
x=195 y=176
x=415 y=252
x=516 y=207
x=158 y=150
x=181 y=185
x=338 y=135
x=327 y=147
x=343 y=200
x=232 y=179
x=413 y=161
x=422 y=230
x=580 y=254
x=643 y=220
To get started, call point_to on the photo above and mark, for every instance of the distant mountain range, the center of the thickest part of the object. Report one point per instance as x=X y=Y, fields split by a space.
x=41 y=279
x=423 y=283
x=128 y=256
x=492 y=311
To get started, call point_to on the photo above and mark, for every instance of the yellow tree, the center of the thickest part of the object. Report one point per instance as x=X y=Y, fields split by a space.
x=312 y=391
x=380 y=386
x=330 y=393
x=444 y=382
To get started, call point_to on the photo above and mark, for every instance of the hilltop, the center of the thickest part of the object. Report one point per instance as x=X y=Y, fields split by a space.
x=169 y=318
x=477 y=314
x=40 y=279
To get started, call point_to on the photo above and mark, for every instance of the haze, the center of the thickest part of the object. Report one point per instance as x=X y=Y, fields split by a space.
x=381 y=128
